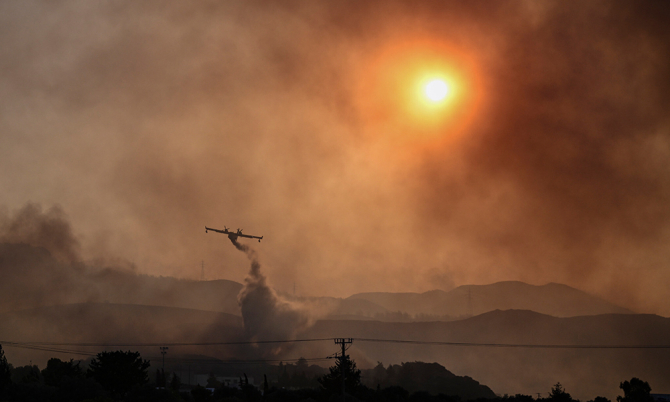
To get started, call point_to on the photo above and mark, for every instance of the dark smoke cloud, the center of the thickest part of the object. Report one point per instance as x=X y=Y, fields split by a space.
x=39 y=259
x=40 y=267
x=267 y=316
x=146 y=120
x=48 y=229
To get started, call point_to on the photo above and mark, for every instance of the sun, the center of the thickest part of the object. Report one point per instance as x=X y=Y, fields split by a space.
x=419 y=90
x=436 y=90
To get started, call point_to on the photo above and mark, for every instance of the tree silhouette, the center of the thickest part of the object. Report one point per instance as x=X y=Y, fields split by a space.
x=379 y=374
x=28 y=374
x=332 y=382
x=5 y=372
x=201 y=394
x=119 y=372
x=635 y=391
x=558 y=394
x=175 y=382
x=600 y=399
x=57 y=371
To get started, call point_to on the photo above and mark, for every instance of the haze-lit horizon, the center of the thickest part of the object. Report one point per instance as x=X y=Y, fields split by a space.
x=308 y=124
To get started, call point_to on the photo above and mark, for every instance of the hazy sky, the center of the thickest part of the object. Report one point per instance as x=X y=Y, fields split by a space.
x=299 y=121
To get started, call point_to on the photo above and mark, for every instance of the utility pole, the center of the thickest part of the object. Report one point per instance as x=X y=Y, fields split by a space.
x=164 y=350
x=343 y=342
x=202 y=272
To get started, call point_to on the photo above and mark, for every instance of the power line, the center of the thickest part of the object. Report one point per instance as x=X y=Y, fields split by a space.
x=170 y=343
x=169 y=359
x=47 y=349
x=513 y=345
x=249 y=361
x=397 y=341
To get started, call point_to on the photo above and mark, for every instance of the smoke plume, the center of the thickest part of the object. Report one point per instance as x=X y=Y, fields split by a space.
x=286 y=117
x=50 y=230
x=267 y=316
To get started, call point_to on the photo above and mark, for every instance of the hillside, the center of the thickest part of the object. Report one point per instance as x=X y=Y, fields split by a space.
x=30 y=278
x=114 y=325
x=585 y=372
x=110 y=323
x=122 y=287
x=552 y=299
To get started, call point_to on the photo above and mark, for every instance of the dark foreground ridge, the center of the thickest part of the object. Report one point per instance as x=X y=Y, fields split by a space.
x=125 y=376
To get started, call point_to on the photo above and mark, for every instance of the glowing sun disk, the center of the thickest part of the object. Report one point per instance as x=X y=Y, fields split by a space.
x=436 y=90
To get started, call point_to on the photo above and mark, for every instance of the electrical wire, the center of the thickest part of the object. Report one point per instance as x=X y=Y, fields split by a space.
x=512 y=345
x=256 y=361
x=213 y=361
x=47 y=345
x=174 y=343
x=46 y=349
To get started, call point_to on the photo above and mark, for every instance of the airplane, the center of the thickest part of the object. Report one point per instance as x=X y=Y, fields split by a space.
x=233 y=235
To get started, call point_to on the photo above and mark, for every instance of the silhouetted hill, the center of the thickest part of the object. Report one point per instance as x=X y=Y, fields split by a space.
x=431 y=378
x=109 y=323
x=585 y=372
x=30 y=277
x=115 y=325
x=359 y=307
x=123 y=287
x=338 y=308
x=553 y=299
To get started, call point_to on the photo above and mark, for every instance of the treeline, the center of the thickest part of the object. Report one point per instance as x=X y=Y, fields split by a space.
x=124 y=376
x=634 y=390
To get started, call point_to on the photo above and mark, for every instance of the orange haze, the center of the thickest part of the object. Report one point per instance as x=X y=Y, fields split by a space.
x=300 y=121
x=391 y=93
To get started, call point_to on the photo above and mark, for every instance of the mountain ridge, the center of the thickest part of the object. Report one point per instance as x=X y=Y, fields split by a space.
x=466 y=346
x=555 y=299
x=27 y=275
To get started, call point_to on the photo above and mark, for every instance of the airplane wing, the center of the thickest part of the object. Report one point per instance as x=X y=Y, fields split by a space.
x=229 y=233
x=216 y=230
x=249 y=236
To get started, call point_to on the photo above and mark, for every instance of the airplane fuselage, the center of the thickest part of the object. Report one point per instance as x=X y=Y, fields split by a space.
x=233 y=235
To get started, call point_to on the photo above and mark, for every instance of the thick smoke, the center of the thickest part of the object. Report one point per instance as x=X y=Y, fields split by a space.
x=267 y=316
x=184 y=113
x=48 y=229
x=40 y=266
x=39 y=260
